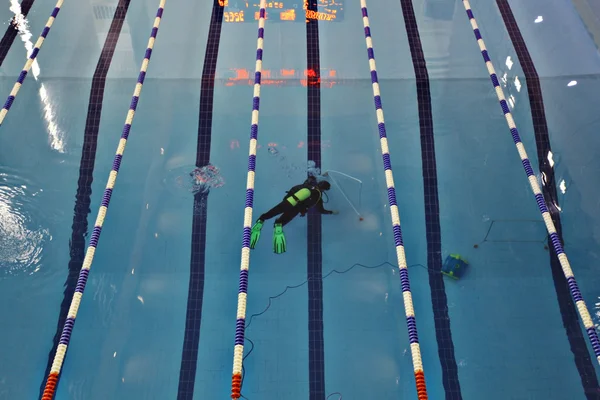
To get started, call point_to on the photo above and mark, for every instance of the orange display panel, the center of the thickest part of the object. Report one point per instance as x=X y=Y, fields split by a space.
x=233 y=16
x=282 y=77
x=238 y=11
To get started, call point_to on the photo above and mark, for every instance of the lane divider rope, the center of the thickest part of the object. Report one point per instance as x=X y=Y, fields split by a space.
x=240 y=325
x=403 y=267
x=52 y=379
x=537 y=192
x=29 y=62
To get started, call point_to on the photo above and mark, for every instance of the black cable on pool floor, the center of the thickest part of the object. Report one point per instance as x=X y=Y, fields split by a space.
x=271 y=298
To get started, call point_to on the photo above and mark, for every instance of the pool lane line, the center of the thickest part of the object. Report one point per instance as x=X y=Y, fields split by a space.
x=554 y=237
x=314 y=249
x=395 y=215
x=240 y=324
x=86 y=171
x=12 y=31
x=54 y=375
x=439 y=300
x=567 y=308
x=193 y=317
x=29 y=62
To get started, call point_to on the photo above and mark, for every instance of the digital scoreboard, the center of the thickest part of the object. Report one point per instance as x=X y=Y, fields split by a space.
x=238 y=11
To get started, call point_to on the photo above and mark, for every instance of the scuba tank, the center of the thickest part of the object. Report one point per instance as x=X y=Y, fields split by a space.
x=300 y=193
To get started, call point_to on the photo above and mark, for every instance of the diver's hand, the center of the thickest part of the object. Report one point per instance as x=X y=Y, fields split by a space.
x=335 y=212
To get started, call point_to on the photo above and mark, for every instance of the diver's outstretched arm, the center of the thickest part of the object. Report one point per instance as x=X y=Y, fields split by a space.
x=322 y=209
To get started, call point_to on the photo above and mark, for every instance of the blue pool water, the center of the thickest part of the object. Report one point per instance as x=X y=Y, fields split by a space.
x=325 y=320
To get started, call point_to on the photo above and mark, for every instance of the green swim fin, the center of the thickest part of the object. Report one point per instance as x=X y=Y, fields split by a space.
x=278 y=239
x=255 y=234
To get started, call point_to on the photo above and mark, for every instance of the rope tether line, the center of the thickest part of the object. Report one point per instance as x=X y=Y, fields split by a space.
x=402 y=265
x=29 y=62
x=327 y=173
x=238 y=351
x=535 y=187
x=52 y=379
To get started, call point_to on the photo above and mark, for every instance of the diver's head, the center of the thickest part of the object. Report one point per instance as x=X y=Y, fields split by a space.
x=324 y=185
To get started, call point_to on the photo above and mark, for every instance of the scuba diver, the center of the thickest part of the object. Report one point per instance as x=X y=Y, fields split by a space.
x=297 y=201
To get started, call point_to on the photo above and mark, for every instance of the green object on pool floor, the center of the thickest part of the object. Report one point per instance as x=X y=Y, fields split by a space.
x=454 y=266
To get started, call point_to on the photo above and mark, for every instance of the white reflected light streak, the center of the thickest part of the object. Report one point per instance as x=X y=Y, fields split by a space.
x=550 y=158
x=598 y=313
x=56 y=140
x=21 y=24
x=563 y=186
x=517 y=83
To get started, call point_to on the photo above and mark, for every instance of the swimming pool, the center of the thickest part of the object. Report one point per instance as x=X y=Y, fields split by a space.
x=326 y=320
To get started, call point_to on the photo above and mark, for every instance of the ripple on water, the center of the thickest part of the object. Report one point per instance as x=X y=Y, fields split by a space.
x=190 y=179
x=22 y=238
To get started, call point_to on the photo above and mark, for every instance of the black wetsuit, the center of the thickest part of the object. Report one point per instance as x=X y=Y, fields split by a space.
x=289 y=212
